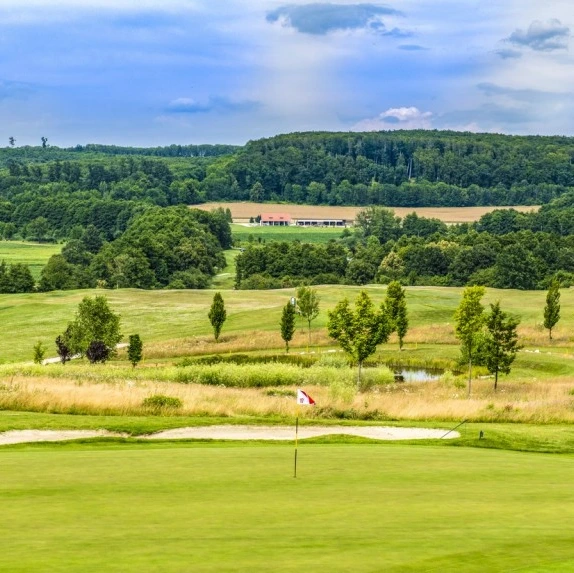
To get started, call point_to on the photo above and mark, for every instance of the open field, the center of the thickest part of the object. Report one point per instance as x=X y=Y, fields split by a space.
x=175 y=323
x=245 y=233
x=35 y=255
x=353 y=507
x=242 y=211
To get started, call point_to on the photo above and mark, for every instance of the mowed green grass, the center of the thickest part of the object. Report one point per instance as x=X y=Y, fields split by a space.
x=223 y=508
x=172 y=315
x=290 y=233
x=35 y=255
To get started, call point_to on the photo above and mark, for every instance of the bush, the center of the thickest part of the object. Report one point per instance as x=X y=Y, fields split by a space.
x=242 y=359
x=162 y=402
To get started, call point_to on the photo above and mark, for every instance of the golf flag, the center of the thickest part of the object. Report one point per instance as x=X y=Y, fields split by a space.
x=303 y=399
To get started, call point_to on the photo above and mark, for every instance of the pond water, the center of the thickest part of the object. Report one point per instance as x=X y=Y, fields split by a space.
x=417 y=374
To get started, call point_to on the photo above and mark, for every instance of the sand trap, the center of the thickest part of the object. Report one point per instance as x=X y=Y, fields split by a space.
x=24 y=436
x=235 y=433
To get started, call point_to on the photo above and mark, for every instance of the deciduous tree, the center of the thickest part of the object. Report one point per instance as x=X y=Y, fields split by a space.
x=94 y=321
x=308 y=305
x=359 y=331
x=396 y=306
x=469 y=321
x=500 y=343
x=552 y=308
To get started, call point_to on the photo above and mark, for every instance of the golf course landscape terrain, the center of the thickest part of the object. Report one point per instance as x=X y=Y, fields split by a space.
x=120 y=502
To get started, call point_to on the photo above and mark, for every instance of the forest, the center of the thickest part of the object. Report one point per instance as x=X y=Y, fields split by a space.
x=123 y=215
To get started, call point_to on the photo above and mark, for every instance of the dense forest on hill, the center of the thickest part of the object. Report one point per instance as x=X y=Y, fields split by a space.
x=107 y=203
x=403 y=168
x=504 y=249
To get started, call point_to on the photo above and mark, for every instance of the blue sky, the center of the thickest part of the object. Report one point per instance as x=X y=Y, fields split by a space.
x=146 y=73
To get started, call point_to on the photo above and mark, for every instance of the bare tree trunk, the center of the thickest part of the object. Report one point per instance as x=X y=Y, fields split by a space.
x=359 y=378
x=469 y=375
x=496 y=380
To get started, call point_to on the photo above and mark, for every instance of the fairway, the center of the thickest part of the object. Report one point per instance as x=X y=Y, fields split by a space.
x=34 y=255
x=218 y=507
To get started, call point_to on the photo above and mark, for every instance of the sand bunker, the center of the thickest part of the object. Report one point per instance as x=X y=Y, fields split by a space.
x=235 y=433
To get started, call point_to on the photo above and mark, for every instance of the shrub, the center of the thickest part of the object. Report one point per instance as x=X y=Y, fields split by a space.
x=162 y=402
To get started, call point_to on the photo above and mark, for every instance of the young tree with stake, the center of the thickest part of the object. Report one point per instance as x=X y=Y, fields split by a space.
x=308 y=305
x=469 y=321
x=552 y=308
x=217 y=315
x=396 y=305
x=288 y=324
x=359 y=331
x=135 y=349
x=501 y=342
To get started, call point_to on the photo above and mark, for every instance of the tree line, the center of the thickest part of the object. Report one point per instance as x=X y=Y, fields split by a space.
x=504 y=249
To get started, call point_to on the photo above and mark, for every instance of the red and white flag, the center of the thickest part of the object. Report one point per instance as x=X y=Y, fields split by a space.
x=304 y=399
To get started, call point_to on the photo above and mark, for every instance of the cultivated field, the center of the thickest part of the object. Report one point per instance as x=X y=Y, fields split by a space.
x=242 y=211
x=35 y=255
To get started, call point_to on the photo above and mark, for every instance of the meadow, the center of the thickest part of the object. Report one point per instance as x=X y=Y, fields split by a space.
x=217 y=507
x=35 y=255
x=174 y=327
x=254 y=233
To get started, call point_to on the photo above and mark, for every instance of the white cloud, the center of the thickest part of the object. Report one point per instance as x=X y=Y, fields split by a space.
x=397 y=118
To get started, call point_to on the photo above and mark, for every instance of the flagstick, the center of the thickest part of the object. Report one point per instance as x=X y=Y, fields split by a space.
x=296 y=440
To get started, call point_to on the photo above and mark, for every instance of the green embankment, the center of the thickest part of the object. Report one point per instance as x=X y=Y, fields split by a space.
x=213 y=507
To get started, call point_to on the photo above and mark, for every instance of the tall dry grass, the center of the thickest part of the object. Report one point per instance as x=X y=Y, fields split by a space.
x=535 y=402
x=246 y=342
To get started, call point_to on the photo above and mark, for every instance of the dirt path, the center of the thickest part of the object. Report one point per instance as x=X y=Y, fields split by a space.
x=235 y=433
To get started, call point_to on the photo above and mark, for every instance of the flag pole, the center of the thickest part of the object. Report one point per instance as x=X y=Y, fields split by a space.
x=296 y=439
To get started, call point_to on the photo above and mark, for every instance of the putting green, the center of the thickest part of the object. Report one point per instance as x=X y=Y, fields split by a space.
x=220 y=507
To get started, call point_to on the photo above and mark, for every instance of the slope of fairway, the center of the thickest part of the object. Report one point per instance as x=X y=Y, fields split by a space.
x=214 y=508
x=181 y=316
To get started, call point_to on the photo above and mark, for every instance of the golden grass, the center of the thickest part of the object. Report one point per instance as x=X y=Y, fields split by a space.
x=243 y=211
x=232 y=343
x=537 y=402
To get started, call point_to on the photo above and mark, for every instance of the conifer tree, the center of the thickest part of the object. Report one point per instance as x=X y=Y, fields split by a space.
x=288 y=324
x=217 y=314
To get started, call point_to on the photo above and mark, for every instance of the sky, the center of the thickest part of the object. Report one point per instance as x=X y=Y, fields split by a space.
x=148 y=73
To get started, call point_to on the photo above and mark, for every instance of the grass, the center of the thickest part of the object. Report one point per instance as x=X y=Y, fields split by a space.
x=215 y=507
x=291 y=233
x=175 y=323
x=35 y=255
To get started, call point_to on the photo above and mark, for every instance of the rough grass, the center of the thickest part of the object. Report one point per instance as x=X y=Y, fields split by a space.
x=173 y=323
x=210 y=508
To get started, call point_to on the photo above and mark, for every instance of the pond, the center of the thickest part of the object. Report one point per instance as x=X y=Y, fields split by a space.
x=403 y=374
